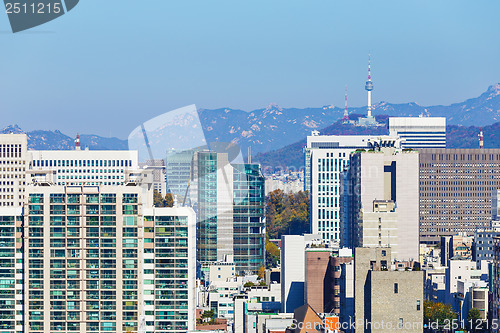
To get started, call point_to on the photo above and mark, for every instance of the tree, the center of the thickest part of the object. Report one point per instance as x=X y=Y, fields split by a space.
x=474 y=320
x=272 y=254
x=160 y=201
x=169 y=200
x=249 y=284
x=262 y=273
x=287 y=214
x=436 y=315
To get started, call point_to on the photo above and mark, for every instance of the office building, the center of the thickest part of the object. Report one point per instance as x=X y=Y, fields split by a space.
x=178 y=173
x=326 y=158
x=383 y=201
x=386 y=300
x=83 y=167
x=419 y=132
x=13 y=152
x=483 y=244
x=101 y=258
x=456 y=191
x=229 y=200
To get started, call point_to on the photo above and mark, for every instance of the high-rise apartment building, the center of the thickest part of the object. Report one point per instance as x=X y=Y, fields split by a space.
x=13 y=165
x=419 y=132
x=101 y=258
x=229 y=200
x=456 y=190
x=12 y=309
x=326 y=158
x=383 y=201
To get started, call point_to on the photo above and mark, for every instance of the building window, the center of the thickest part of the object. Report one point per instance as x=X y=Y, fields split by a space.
x=418 y=305
x=400 y=323
x=396 y=288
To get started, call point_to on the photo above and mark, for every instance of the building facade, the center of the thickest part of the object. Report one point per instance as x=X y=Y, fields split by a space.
x=419 y=132
x=383 y=207
x=100 y=258
x=229 y=200
x=13 y=159
x=456 y=190
x=326 y=158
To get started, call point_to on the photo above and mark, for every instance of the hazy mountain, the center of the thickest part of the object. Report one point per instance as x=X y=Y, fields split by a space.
x=275 y=127
x=55 y=140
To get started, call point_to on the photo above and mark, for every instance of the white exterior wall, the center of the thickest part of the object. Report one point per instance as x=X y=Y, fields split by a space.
x=419 y=132
x=292 y=272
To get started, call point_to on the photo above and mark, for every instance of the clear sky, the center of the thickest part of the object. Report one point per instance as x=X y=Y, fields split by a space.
x=109 y=65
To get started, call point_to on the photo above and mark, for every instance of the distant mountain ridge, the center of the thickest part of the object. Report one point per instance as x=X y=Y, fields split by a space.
x=55 y=140
x=292 y=156
x=274 y=127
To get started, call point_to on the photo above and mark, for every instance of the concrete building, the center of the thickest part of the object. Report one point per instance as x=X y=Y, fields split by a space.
x=383 y=201
x=293 y=267
x=292 y=272
x=456 y=246
x=101 y=258
x=461 y=270
x=229 y=201
x=483 y=244
x=316 y=266
x=13 y=159
x=386 y=300
x=326 y=158
x=419 y=132
x=84 y=167
x=456 y=190
x=496 y=282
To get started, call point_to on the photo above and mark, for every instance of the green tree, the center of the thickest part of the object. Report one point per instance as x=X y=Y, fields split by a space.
x=158 y=199
x=438 y=313
x=474 y=320
x=272 y=255
x=287 y=214
x=169 y=200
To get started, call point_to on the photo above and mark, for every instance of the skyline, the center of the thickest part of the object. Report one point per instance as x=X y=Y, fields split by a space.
x=241 y=56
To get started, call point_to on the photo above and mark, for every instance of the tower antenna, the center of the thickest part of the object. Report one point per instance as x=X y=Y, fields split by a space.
x=346 y=114
x=369 y=87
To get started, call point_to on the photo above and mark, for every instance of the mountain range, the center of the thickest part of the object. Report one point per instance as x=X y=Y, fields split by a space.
x=274 y=129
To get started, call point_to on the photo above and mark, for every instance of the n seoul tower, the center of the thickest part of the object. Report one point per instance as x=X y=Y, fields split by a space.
x=369 y=88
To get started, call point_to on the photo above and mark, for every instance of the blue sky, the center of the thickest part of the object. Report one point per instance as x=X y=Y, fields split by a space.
x=109 y=65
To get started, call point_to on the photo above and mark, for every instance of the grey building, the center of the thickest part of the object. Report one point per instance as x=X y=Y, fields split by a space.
x=386 y=300
x=483 y=244
x=383 y=201
x=456 y=190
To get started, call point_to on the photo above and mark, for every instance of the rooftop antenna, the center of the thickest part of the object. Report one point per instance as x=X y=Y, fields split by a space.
x=77 y=142
x=481 y=139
